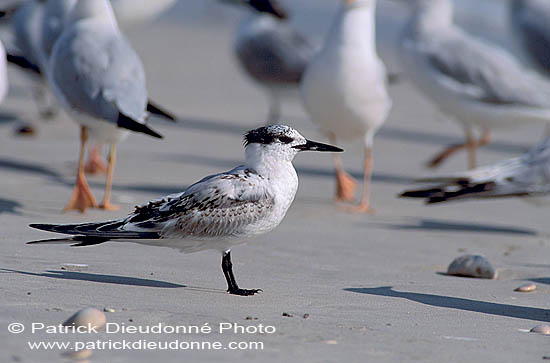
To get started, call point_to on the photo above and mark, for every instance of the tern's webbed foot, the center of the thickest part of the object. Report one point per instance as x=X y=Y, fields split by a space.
x=243 y=292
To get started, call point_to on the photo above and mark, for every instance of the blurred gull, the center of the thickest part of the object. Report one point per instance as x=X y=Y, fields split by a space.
x=531 y=19
x=525 y=176
x=477 y=83
x=99 y=79
x=344 y=90
x=271 y=51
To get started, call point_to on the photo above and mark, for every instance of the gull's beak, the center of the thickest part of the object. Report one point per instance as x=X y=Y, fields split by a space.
x=317 y=146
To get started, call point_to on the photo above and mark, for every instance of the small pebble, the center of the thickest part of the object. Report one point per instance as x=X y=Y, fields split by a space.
x=472 y=266
x=288 y=315
x=306 y=315
x=541 y=329
x=526 y=287
x=26 y=130
x=108 y=310
x=83 y=317
x=78 y=355
x=331 y=342
x=74 y=267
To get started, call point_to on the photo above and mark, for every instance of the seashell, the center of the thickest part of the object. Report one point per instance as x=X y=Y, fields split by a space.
x=74 y=267
x=87 y=317
x=472 y=266
x=526 y=287
x=108 y=310
x=541 y=329
x=79 y=355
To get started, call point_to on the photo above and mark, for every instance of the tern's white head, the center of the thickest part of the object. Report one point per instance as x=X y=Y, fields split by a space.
x=96 y=9
x=278 y=144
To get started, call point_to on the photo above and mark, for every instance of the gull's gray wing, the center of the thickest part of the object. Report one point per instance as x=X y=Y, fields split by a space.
x=98 y=73
x=521 y=176
x=532 y=19
x=484 y=72
x=274 y=54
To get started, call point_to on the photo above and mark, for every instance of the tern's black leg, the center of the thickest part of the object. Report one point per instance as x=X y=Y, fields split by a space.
x=232 y=286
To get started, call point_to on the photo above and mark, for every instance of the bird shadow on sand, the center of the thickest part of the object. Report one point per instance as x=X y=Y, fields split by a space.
x=425 y=224
x=227 y=164
x=450 y=302
x=9 y=206
x=433 y=138
x=8 y=117
x=541 y=280
x=200 y=124
x=107 y=279
x=29 y=168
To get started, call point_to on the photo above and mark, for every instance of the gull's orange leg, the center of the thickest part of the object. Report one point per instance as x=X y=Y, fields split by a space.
x=106 y=204
x=364 y=205
x=470 y=144
x=345 y=183
x=82 y=197
x=95 y=163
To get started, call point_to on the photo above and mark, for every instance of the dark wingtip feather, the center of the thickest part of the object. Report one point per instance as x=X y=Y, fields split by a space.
x=420 y=193
x=132 y=125
x=157 y=110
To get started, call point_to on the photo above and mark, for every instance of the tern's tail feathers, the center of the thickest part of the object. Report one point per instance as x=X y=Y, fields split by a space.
x=87 y=234
x=77 y=241
x=155 y=109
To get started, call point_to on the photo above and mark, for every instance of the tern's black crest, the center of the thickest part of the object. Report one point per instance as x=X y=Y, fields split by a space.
x=268 y=135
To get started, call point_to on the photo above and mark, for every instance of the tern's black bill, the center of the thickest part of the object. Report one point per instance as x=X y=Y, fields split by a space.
x=317 y=146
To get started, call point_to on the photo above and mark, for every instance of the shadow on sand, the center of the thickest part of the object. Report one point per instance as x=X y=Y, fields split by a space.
x=425 y=224
x=107 y=279
x=9 y=206
x=512 y=311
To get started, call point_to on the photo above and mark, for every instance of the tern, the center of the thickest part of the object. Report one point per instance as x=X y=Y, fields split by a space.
x=218 y=212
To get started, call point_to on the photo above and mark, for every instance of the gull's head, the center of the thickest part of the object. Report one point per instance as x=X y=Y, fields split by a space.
x=263 y=6
x=279 y=142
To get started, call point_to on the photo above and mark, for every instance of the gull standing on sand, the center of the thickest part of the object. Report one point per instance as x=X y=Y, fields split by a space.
x=479 y=84
x=271 y=52
x=524 y=176
x=344 y=90
x=99 y=79
x=531 y=20
x=218 y=212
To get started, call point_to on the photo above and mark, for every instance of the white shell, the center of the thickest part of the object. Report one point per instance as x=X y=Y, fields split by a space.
x=74 y=267
x=526 y=287
x=472 y=266
x=79 y=355
x=92 y=316
x=541 y=329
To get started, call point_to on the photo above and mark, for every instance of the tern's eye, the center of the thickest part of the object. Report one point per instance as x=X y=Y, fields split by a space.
x=286 y=139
